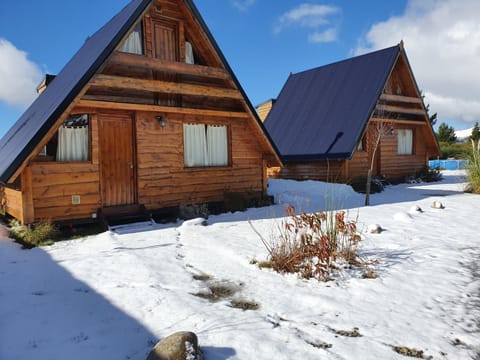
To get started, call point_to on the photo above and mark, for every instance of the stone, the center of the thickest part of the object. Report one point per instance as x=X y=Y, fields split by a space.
x=416 y=209
x=437 y=205
x=179 y=346
x=374 y=229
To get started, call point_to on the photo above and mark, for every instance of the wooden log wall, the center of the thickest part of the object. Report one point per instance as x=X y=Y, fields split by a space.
x=54 y=184
x=394 y=166
x=358 y=166
x=322 y=170
x=164 y=181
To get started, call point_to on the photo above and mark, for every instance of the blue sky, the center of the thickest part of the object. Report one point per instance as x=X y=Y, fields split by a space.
x=265 y=40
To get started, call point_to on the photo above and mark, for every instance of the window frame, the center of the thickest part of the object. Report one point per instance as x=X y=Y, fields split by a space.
x=412 y=148
x=229 y=149
x=142 y=40
x=44 y=157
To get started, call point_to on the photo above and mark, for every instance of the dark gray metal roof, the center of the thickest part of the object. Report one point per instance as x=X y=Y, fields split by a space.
x=322 y=113
x=27 y=132
x=33 y=125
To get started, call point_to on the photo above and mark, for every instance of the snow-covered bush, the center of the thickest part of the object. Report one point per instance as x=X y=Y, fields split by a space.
x=311 y=244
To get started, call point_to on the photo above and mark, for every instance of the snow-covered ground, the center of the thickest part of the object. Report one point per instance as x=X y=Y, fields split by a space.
x=114 y=295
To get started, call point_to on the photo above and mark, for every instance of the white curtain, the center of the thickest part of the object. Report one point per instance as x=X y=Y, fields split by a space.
x=405 y=142
x=133 y=43
x=72 y=144
x=217 y=145
x=189 y=59
x=195 y=145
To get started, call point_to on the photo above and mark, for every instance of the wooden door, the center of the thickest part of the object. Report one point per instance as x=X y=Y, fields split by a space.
x=117 y=159
x=165 y=40
x=166 y=47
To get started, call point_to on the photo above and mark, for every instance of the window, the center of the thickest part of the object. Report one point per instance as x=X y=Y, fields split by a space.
x=205 y=145
x=361 y=144
x=73 y=139
x=134 y=44
x=189 y=57
x=405 y=142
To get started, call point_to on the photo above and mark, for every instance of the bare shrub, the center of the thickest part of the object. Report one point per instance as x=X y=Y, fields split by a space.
x=310 y=244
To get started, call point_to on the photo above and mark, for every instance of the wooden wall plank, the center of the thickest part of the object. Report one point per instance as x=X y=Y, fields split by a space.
x=12 y=202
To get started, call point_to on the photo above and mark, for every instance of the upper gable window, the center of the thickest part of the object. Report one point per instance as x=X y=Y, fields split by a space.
x=361 y=146
x=134 y=42
x=189 y=57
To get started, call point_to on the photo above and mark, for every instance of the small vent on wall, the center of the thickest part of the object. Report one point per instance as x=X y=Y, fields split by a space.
x=75 y=199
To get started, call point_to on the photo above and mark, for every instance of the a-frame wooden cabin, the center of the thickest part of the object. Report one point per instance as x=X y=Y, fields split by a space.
x=148 y=112
x=324 y=121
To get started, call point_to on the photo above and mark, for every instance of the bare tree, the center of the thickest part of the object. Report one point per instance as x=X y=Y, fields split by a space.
x=375 y=133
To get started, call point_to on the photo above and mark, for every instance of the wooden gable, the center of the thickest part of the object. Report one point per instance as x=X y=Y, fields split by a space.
x=401 y=103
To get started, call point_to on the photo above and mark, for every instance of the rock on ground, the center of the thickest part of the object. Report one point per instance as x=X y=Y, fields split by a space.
x=179 y=346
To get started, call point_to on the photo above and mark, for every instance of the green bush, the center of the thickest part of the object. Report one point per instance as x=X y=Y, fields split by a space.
x=456 y=151
x=30 y=236
x=473 y=168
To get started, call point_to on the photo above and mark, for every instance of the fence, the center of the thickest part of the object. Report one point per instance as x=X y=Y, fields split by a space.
x=447 y=164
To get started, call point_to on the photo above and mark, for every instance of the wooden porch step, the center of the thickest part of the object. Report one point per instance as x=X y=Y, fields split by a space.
x=118 y=215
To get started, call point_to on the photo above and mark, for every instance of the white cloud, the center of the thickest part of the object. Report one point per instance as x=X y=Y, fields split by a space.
x=312 y=17
x=328 y=35
x=442 y=40
x=243 y=5
x=19 y=76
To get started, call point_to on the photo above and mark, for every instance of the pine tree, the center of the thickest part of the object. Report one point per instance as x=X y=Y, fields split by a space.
x=446 y=134
x=475 y=132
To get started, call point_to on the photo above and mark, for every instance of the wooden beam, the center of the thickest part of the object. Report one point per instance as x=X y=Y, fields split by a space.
x=401 y=98
x=396 y=121
x=160 y=109
x=28 y=212
x=164 y=87
x=399 y=109
x=143 y=62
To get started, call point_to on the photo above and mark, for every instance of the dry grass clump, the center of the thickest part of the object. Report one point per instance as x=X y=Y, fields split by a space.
x=311 y=244
x=349 y=333
x=244 y=305
x=40 y=234
x=410 y=352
